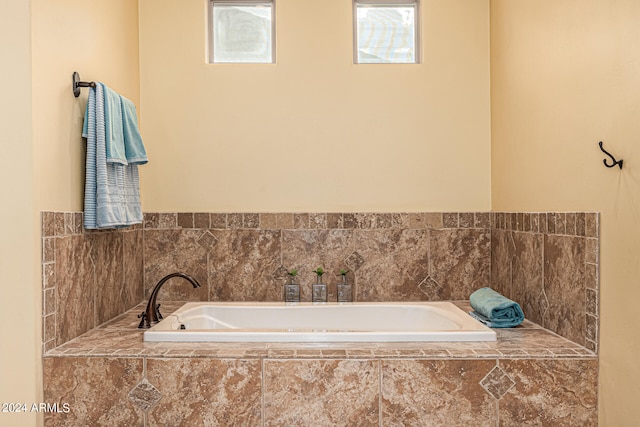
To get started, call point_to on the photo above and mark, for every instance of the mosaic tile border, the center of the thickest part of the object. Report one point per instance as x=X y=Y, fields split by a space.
x=316 y=221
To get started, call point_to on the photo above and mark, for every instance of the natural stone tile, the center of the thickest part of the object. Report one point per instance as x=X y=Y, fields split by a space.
x=543 y=222
x=207 y=241
x=396 y=262
x=497 y=382
x=527 y=273
x=550 y=392
x=107 y=256
x=185 y=220
x=132 y=288
x=144 y=395
x=450 y=220
x=212 y=392
x=251 y=220
x=201 y=220
x=334 y=220
x=170 y=251
x=581 y=224
x=151 y=220
x=502 y=250
x=321 y=392
x=234 y=220
x=383 y=220
x=431 y=288
x=168 y=220
x=355 y=261
x=95 y=388
x=535 y=222
x=482 y=220
x=460 y=261
x=591 y=276
x=69 y=223
x=433 y=220
x=551 y=223
x=592 y=251
x=564 y=286
x=307 y=250
x=358 y=220
x=436 y=392
x=285 y=221
x=49 y=304
x=59 y=224
x=48 y=275
x=218 y=221
x=317 y=221
x=48 y=249
x=268 y=221
x=248 y=274
x=560 y=223
x=591 y=328
x=417 y=220
x=570 y=223
x=592 y=302
x=74 y=271
x=591 y=224
x=466 y=220
x=300 y=221
x=47 y=224
x=400 y=220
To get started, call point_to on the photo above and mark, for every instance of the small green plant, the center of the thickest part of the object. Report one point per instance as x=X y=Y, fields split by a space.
x=293 y=272
x=343 y=272
x=319 y=271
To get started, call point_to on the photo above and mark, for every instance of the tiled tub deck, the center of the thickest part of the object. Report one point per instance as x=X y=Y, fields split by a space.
x=530 y=376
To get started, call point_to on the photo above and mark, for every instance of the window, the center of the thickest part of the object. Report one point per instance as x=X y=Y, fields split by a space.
x=386 y=31
x=241 y=31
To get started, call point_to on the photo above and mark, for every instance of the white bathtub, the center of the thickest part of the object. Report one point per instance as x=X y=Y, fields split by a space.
x=331 y=322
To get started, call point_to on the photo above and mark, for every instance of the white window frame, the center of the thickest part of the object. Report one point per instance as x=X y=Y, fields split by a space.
x=210 y=29
x=388 y=3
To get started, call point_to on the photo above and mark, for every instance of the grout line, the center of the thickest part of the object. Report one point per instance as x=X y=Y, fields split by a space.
x=380 y=393
x=262 y=388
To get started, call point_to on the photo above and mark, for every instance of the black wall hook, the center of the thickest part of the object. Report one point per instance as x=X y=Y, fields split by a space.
x=615 y=162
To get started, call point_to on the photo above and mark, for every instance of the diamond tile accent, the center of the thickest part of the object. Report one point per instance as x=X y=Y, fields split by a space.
x=355 y=261
x=145 y=396
x=543 y=303
x=497 y=383
x=207 y=240
x=428 y=286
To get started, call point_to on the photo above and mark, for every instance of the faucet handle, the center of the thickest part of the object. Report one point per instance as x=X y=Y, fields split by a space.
x=159 y=315
x=143 y=322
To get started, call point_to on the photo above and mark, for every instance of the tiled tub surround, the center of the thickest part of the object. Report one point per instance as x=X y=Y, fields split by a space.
x=88 y=277
x=530 y=376
x=547 y=261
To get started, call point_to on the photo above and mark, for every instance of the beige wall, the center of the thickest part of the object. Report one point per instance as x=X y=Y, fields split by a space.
x=42 y=161
x=98 y=39
x=565 y=75
x=19 y=357
x=314 y=132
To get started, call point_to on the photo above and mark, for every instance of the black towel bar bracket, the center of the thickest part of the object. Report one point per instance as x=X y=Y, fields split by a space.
x=615 y=162
x=77 y=84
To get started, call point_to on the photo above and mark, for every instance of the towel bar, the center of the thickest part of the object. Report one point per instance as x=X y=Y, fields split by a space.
x=77 y=84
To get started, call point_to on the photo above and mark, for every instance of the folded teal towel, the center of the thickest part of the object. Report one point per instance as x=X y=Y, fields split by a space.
x=494 y=309
x=123 y=141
